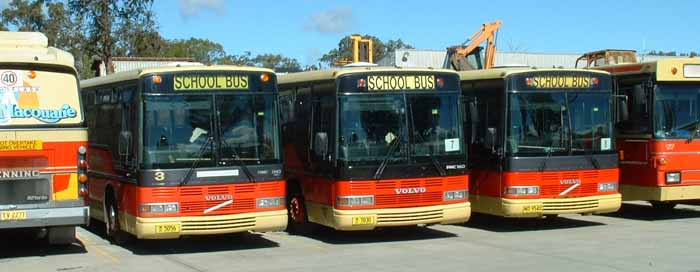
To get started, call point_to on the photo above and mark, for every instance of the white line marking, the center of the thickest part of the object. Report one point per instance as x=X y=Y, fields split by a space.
x=217 y=173
x=218 y=206
x=570 y=189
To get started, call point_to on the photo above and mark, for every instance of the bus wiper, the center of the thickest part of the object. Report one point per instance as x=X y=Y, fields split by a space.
x=543 y=166
x=389 y=153
x=237 y=158
x=434 y=160
x=197 y=158
x=696 y=130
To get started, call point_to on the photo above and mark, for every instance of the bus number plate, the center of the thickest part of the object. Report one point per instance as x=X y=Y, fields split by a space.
x=168 y=228
x=13 y=215
x=537 y=208
x=363 y=220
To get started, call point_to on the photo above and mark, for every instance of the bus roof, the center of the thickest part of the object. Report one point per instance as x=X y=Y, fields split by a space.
x=504 y=72
x=31 y=47
x=663 y=69
x=336 y=72
x=137 y=73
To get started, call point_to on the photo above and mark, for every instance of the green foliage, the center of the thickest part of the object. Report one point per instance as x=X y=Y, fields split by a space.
x=202 y=50
x=379 y=49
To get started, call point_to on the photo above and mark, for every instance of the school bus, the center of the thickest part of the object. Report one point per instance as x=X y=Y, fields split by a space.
x=658 y=123
x=373 y=147
x=42 y=138
x=184 y=151
x=541 y=142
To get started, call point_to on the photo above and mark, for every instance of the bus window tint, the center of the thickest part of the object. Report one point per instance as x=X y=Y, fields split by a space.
x=176 y=127
x=247 y=127
x=538 y=123
x=369 y=125
x=590 y=118
x=436 y=125
x=676 y=111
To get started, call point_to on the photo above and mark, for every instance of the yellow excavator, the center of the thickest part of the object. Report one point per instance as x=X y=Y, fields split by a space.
x=467 y=56
x=361 y=51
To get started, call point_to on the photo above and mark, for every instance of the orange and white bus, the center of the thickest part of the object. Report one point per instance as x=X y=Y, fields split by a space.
x=658 y=126
x=185 y=151
x=541 y=142
x=373 y=147
x=42 y=138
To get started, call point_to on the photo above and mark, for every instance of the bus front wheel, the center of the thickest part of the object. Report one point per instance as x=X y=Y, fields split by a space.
x=298 y=220
x=112 y=229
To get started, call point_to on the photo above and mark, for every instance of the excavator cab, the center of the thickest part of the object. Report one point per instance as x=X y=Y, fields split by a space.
x=606 y=57
x=457 y=62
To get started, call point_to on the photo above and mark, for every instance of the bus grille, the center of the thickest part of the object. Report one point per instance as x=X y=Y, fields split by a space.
x=198 y=207
x=556 y=189
x=408 y=199
x=569 y=206
x=410 y=217
x=195 y=226
x=385 y=195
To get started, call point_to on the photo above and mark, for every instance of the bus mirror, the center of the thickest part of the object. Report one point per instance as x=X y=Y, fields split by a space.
x=623 y=111
x=491 y=139
x=321 y=144
x=124 y=143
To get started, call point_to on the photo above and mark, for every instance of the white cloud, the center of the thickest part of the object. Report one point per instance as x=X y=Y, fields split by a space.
x=335 y=20
x=192 y=8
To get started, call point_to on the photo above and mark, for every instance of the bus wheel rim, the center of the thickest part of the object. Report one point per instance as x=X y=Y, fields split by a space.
x=112 y=220
x=296 y=210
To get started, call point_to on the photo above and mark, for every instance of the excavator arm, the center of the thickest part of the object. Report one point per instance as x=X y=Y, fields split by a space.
x=457 y=55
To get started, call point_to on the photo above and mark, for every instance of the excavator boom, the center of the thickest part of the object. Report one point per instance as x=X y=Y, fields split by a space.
x=457 y=55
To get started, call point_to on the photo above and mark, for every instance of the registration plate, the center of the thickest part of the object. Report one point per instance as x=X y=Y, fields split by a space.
x=168 y=228
x=363 y=220
x=13 y=215
x=536 y=208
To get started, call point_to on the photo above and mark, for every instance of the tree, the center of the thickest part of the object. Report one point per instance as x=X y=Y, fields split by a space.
x=201 y=50
x=110 y=25
x=278 y=63
x=379 y=49
x=244 y=59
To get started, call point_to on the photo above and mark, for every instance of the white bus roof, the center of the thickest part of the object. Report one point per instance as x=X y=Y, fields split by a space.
x=31 y=47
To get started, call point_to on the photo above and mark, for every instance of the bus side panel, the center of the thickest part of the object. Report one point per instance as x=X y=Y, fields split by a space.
x=636 y=166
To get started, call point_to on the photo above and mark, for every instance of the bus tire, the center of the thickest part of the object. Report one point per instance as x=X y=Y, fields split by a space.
x=663 y=205
x=61 y=235
x=112 y=225
x=297 y=219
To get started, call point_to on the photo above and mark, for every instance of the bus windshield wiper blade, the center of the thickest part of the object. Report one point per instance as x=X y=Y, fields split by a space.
x=237 y=158
x=434 y=160
x=695 y=131
x=198 y=158
x=389 y=153
x=543 y=166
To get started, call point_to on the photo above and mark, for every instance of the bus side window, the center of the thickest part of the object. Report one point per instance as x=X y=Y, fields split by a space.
x=638 y=98
x=323 y=124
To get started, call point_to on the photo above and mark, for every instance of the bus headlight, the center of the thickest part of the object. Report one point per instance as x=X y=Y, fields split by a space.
x=269 y=202
x=455 y=195
x=522 y=190
x=160 y=208
x=673 y=177
x=355 y=201
x=607 y=186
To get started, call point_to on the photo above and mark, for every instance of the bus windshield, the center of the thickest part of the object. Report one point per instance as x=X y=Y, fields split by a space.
x=179 y=129
x=370 y=124
x=676 y=111
x=559 y=123
x=38 y=98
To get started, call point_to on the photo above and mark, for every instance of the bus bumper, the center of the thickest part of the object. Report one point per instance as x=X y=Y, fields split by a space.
x=548 y=206
x=68 y=216
x=437 y=214
x=174 y=227
x=661 y=193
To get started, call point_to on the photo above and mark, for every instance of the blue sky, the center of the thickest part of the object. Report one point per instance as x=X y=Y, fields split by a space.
x=305 y=29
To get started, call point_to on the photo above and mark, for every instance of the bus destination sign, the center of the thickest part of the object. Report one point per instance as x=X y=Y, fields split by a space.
x=402 y=82
x=210 y=82
x=560 y=82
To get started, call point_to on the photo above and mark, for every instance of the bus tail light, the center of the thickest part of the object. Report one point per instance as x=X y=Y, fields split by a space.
x=673 y=177
x=350 y=201
x=522 y=190
x=82 y=171
x=83 y=192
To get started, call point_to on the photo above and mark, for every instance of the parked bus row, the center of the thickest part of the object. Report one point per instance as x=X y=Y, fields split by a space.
x=165 y=152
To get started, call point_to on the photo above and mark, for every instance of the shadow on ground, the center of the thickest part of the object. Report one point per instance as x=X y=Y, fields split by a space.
x=379 y=235
x=642 y=211
x=25 y=243
x=190 y=244
x=503 y=224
